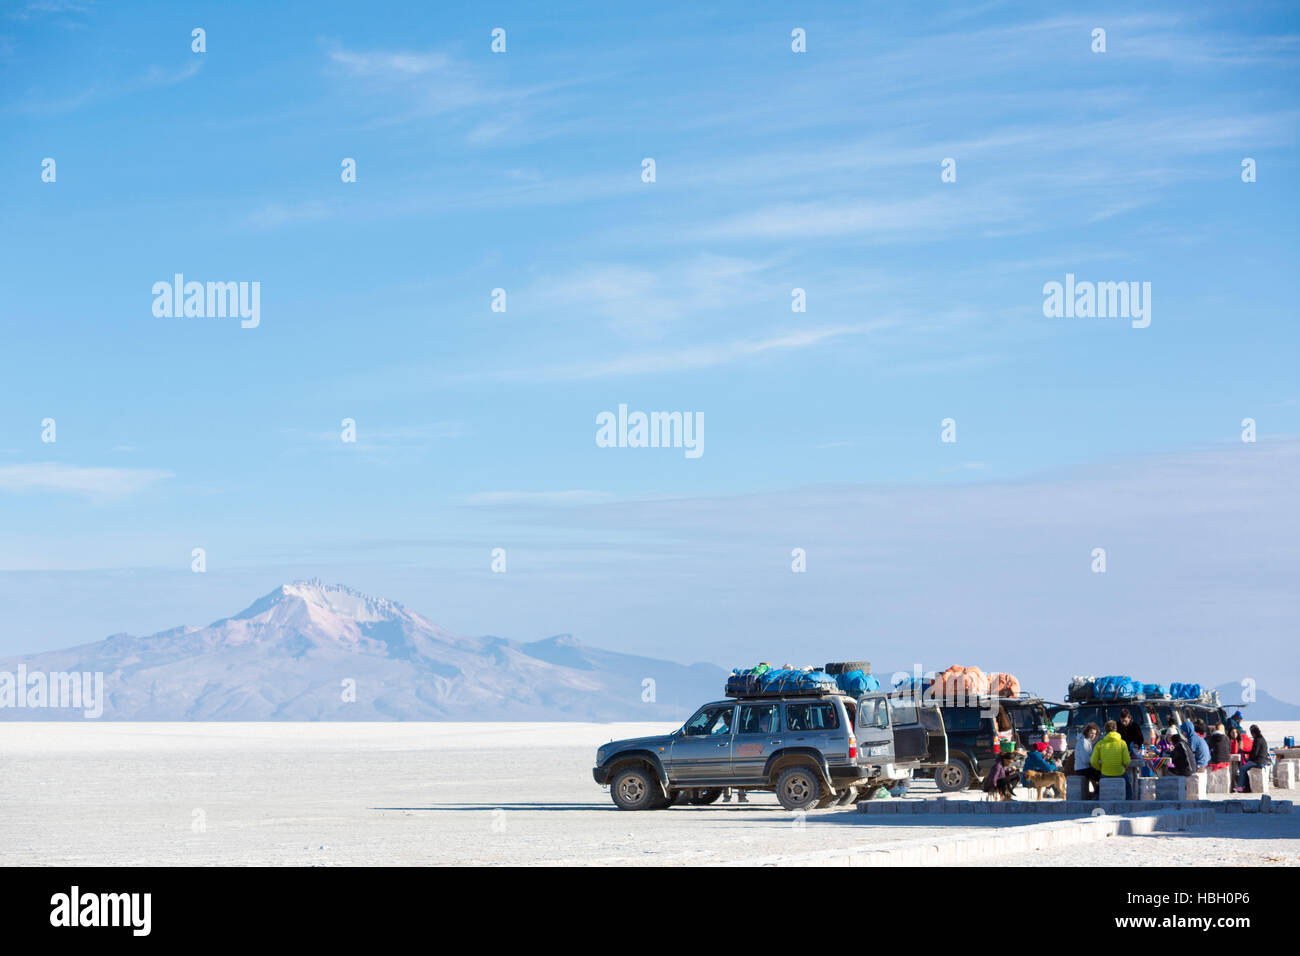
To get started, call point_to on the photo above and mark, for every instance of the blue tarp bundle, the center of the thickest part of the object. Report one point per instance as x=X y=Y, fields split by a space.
x=780 y=681
x=1155 y=690
x=1185 y=691
x=1115 y=687
x=857 y=682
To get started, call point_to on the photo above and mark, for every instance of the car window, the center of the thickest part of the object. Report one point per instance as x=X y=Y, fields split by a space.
x=1026 y=718
x=1089 y=714
x=961 y=718
x=1163 y=713
x=758 y=719
x=904 y=711
x=710 y=721
x=811 y=717
x=875 y=714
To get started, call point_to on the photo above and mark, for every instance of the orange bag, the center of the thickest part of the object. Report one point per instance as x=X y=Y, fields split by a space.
x=957 y=683
x=1004 y=685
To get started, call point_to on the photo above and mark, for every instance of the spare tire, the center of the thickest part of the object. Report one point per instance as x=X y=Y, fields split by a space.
x=847 y=667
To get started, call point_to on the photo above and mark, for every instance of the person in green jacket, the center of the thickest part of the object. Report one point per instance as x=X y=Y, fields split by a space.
x=1111 y=757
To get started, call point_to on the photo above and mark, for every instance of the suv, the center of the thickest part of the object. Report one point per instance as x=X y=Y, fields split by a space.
x=813 y=750
x=973 y=737
x=1152 y=715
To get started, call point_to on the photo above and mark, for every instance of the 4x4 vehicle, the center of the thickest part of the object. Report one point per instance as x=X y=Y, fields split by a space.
x=811 y=750
x=973 y=730
x=1151 y=714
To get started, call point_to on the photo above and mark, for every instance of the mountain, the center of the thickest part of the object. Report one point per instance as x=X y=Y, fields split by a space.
x=1263 y=707
x=291 y=655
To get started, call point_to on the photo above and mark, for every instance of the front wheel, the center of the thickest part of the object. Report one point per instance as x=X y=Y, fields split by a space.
x=952 y=777
x=798 y=788
x=633 y=789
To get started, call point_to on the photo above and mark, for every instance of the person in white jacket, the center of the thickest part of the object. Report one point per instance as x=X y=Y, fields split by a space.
x=1089 y=778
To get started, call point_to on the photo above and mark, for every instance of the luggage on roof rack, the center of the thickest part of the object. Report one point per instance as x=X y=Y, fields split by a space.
x=779 y=682
x=1186 y=691
x=1081 y=688
x=1116 y=687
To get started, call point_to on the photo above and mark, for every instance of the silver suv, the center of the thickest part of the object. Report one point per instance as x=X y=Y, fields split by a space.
x=811 y=750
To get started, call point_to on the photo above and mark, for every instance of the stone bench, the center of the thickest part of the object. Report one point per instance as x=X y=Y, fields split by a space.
x=1219 y=781
x=1285 y=776
x=1261 y=779
x=1112 y=788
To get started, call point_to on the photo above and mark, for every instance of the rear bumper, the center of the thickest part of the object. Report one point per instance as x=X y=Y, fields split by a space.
x=600 y=775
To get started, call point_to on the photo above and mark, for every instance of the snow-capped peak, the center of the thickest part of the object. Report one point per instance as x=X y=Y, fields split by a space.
x=336 y=599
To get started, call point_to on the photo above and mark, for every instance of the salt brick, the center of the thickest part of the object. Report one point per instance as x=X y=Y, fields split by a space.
x=1112 y=788
x=1170 y=788
x=1219 y=781
x=1260 y=780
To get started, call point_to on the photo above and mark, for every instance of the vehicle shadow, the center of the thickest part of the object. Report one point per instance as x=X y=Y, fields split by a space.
x=489 y=807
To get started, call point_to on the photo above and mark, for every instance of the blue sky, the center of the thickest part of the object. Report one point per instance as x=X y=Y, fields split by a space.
x=775 y=170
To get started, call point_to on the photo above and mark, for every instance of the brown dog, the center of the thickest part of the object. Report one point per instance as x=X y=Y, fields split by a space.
x=1040 y=781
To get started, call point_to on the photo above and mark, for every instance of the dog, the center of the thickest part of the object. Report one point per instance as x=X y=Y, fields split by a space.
x=1041 y=781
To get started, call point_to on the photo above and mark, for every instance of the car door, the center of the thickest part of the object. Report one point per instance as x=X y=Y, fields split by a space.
x=911 y=739
x=875 y=731
x=702 y=750
x=757 y=734
x=936 y=734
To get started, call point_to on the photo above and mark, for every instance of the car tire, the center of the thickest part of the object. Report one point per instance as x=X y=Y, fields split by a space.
x=799 y=788
x=635 y=789
x=703 y=797
x=847 y=667
x=953 y=777
x=850 y=795
x=828 y=799
x=866 y=793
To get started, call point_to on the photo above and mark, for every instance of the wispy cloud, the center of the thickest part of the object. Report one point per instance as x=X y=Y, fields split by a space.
x=278 y=214
x=577 y=496
x=644 y=300
x=414 y=84
x=108 y=89
x=94 y=483
x=685 y=359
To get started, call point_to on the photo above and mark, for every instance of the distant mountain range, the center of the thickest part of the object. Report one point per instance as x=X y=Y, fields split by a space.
x=309 y=651
x=1264 y=707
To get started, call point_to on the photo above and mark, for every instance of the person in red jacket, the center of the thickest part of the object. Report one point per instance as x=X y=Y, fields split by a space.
x=1237 y=744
